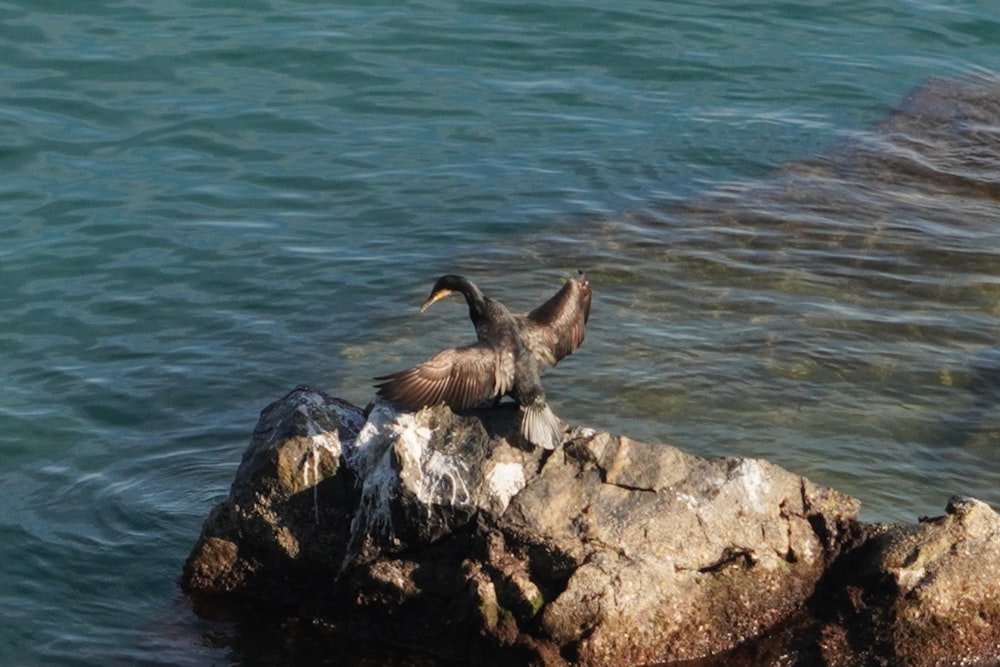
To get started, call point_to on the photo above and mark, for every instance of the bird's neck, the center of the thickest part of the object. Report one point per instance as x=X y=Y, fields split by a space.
x=478 y=309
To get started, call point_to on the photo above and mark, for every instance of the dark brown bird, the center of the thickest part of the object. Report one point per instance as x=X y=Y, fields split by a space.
x=506 y=360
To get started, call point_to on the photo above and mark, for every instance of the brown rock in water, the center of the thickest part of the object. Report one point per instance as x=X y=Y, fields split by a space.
x=947 y=578
x=899 y=595
x=447 y=533
x=673 y=556
x=926 y=594
x=288 y=506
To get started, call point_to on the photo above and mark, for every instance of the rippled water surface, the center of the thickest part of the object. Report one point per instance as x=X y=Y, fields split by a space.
x=206 y=204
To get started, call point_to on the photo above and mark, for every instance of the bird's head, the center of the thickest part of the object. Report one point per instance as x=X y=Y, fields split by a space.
x=450 y=283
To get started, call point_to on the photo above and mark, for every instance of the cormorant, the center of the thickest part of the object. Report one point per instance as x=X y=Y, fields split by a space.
x=506 y=360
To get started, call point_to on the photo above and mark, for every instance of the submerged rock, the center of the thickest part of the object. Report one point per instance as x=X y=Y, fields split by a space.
x=448 y=533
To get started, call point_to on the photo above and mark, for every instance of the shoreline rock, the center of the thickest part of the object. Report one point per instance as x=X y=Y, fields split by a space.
x=446 y=533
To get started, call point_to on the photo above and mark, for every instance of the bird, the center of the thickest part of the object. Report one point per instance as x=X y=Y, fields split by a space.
x=506 y=360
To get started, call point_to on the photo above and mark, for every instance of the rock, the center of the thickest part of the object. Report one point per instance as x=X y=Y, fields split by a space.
x=907 y=595
x=928 y=594
x=448 y=533
x=670 y=556
x=947 y=600
x=289 y=505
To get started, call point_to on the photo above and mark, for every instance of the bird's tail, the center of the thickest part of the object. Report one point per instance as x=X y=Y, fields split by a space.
x=540 y=426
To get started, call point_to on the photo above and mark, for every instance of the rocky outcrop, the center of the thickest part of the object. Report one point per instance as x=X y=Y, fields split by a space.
x=918 y=595
x=449 y=534
x=943 y=576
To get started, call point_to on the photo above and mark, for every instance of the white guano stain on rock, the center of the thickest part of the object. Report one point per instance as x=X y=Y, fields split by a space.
x=319 y=441
x=754 y=483
x=364 y=452
x=505 y=481
x=369 y=456
x=435 y=478
x=692 y=503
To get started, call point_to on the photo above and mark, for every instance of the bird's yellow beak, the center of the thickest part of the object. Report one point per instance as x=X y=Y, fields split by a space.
x=437 y=296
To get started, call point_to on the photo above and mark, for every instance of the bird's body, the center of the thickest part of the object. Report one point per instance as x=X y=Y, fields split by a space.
x=506 y=360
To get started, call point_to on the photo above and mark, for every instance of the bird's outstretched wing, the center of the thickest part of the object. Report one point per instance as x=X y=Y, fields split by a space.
x=556 y=327
x=462 y=377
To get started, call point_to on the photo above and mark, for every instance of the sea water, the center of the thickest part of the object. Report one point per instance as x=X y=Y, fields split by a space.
x=204 y=204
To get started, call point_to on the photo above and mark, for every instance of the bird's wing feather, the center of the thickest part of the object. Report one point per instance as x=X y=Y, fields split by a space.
x=556 y=328
x=462 y=377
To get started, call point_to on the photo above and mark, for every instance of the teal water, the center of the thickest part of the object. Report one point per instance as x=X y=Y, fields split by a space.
x=203 y=205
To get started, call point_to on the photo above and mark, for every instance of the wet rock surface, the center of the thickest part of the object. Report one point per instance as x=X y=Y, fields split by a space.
x=446 y=533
